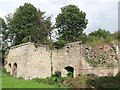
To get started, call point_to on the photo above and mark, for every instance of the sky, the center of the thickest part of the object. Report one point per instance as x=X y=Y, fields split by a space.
x=100 y=13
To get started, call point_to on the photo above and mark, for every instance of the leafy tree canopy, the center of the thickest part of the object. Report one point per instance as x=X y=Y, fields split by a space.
x=3 y=34
x=70 y=23
x=116 y=35
x=29 y=24
x=101 y=33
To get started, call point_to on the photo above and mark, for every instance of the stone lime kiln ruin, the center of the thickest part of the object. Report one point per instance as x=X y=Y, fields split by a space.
x=27 y=61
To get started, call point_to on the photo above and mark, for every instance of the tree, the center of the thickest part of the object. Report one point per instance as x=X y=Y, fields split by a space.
x=102 y=36
x=116 y=35
x=3 y=39
x=29 y=24
x=71 y=23
x=101 y=33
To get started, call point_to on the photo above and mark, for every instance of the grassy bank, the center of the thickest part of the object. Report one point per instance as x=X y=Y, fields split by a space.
x=82 y=81
x=10 y=82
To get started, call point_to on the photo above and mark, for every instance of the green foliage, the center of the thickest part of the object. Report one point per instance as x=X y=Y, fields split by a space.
x=55 y=81
x=10 y=82
x=116 y=35
x=57 y=74
x=92 y=62
x=71 y=23
x=78 y=82
x=105 y=82
x=100 y=33
x=91 y=40
x=4 y=72
x=4 y=36
x=103 y=57
x=118 y=75
x=60 y=43
x=100 y=36
x=29 y=24
x=108 y=39
x=110 y=65
x=92 y=75
x=70 y=74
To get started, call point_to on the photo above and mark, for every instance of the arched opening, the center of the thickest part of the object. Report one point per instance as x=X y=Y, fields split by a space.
x=70 y=71
x=15 y=65
x=9 y=65
x=14 y=71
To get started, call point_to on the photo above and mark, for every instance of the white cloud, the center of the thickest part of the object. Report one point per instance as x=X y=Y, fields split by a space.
x=100 y=13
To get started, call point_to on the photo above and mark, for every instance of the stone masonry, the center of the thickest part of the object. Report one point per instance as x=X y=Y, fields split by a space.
x=28 y=61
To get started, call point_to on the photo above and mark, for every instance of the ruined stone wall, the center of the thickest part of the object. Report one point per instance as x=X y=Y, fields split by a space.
x=68 y=56
x=31 y=61
x=104 y=59
x=118 y=52
x=42 y=62
x=17 y=55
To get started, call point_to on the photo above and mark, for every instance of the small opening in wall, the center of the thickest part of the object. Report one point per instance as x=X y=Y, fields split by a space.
x=15 y=65
x=5 y=63
x=14 y=71
x=9 y=64
x=70 y=71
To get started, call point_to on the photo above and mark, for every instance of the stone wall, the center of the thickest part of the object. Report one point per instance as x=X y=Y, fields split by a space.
x=31 y=61
x=42 y=62
x=68 y=56
x=118 y=52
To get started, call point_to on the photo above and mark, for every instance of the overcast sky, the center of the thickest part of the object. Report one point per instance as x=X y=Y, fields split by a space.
x=100 y=13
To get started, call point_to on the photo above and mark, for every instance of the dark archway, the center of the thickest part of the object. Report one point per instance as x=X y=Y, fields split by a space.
x=70 y=71
x=9 y=65
x=14 y=71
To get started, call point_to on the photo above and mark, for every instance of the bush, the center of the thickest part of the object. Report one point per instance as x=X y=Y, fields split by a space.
x=105 y=82
x=60 y=43
x=118 y=75
x=57 y=74
x=70 y=74
x=55 y=79
x=108 y=39
x=92 y=62
x=78 y=82
x=4 y=72
x=92 y=75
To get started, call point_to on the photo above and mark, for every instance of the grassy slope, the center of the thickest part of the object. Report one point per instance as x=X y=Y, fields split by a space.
x=10 y=82
x=0 y=80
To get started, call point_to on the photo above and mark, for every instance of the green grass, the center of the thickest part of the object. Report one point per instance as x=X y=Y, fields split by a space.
x=0 y=79
x=10 y=82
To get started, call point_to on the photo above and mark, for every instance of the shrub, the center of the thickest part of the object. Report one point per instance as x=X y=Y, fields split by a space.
x=111 y=65
x=105 y=82
x=92 y=62
x=78 y=82
x=60 y=43
x=92 y=75
x=20 y=78
x=118 y=75
x=70 y=74
x=108 y=39
x=4 y=72
x=57 y=74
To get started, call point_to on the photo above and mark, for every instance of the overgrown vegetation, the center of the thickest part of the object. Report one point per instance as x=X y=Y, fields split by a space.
x=56 y=81
x=101 y=37
x=92 y=62
x=106 y=82
x=95 y=63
